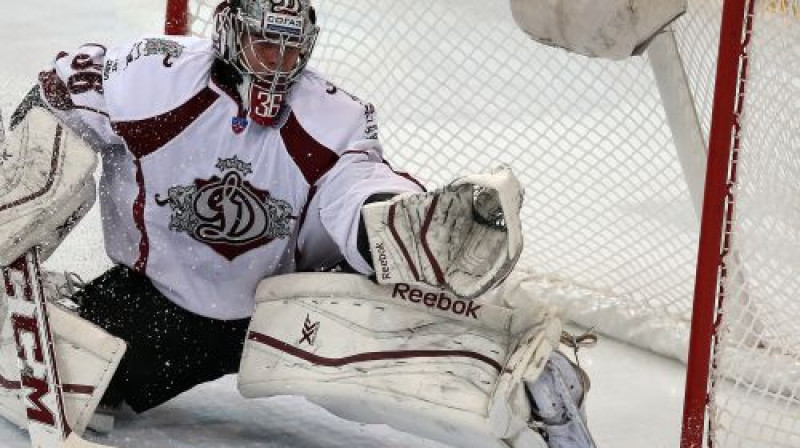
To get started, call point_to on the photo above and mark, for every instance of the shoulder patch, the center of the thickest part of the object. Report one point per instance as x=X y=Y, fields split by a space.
x=155 y=74
x=170 y=50
x=371 y=125
x=335 y=117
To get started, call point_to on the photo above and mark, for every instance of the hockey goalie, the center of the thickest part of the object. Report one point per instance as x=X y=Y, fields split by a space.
x=235 y=178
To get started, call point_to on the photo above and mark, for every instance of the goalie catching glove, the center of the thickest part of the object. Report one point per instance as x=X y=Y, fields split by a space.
x=465 y=237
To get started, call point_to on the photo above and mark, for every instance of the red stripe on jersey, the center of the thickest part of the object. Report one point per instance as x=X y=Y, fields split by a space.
x=312 y=157
x=138 y=219
x=145 y=137
x=369 y=356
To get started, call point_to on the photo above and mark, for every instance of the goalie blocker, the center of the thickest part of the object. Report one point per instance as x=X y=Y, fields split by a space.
x=46 y=181
x=418 y=359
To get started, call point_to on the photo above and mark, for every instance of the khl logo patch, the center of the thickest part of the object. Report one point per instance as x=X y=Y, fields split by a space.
x=238 y=124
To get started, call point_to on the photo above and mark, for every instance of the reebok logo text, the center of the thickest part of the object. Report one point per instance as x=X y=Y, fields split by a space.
x=442 y=301
x=384 y=262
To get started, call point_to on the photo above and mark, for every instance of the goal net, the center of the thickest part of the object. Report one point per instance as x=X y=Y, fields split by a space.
x=755 y=369
x=612 y=156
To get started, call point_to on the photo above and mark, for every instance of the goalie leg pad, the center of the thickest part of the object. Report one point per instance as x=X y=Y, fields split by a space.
x=46 y=185
x=417 y=359
x=86 y=356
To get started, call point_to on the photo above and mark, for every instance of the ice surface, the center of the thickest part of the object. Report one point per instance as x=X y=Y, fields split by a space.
x=636 y=397
x=635 y=402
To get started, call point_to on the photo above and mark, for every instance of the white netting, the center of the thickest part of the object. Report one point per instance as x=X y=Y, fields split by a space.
x=609 y=223
x=756 y=398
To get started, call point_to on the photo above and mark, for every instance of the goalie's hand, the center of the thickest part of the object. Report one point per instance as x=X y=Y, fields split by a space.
x=465 y=237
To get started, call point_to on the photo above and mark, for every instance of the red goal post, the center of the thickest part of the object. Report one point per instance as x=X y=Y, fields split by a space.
x=718 y=208
x=177 y=17
x=613 y=156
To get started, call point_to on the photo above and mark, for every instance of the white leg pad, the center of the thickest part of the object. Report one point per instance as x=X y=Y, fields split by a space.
x=417 y=359
x=46 y=185
x=86 y=358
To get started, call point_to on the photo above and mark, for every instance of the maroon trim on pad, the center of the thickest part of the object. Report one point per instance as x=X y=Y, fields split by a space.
x=399 y=241
x=437 y=270
x=369 y=356
x=51 y=176
x=8 y=384
x=80 y=389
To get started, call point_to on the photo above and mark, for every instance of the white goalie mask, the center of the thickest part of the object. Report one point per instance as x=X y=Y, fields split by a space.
x=269 y=42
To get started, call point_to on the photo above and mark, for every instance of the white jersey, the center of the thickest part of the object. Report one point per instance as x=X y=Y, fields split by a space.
x=201 y=200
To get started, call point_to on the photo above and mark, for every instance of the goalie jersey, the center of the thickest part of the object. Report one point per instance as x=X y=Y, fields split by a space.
x=200 y=199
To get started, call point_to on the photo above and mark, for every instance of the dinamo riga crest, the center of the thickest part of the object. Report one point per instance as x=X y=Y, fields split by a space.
x=228 y=213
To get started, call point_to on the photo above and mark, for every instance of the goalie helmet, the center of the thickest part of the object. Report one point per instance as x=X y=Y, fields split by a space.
x=269 y=42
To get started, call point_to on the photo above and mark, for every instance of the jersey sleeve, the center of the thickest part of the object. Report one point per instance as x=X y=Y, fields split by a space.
x=96 y=87
x=348 y=127
x=359 y=174
x=72 y=88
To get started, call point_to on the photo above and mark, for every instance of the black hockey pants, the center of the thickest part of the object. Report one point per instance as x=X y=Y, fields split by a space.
x=170 y=350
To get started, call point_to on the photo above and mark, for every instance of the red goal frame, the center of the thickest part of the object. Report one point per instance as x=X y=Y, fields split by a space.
x=718 y=207
x=177 y=17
